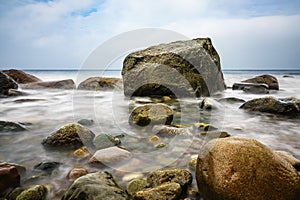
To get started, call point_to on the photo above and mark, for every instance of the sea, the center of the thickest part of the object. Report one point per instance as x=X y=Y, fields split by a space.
x=44 y=111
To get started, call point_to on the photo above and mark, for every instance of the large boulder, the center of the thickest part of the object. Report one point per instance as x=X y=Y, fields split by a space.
x=182 y=68
x=100 y=83
x=282 y=106
x=6 y=83
x=270 y=80
x=9 y=179
x=242 y=168
x=21 y=77
x=95 y=186
x=70 y=136
x=67 y=84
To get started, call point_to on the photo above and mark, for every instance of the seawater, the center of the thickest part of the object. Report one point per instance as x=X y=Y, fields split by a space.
x=49 y=110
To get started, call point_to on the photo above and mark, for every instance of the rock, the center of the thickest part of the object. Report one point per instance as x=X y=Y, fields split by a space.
x=242 y=168
x=70 y=136
x=288 y=76
x=153 y=138
x=6 y=126
x=47 y=167
x=151 y=114
x=289 y=158
x=169 y=130
x=76 y=173
x=6 y=83
x=36 y=192
x=81 y=152
x=193 y=163
x=21 y=169
x=27 y=100
x=204 y=127
x=209 y=104
x=103 y=141
x=242 y=86
x=14 y=93
x=256 y=90
x=86 y=122
x=67 y=84
x=136 y=185
x=174 y=175
x=231 y=100
x=181 y=69
x=271 y=81
x=9 y=179
x=131 y=176
x=160 y=145
x=287 y=106
x=110 y=156
x=100 y=83
x=167 y=191
x=95 y=186
x=21 y=77
x=215 y=134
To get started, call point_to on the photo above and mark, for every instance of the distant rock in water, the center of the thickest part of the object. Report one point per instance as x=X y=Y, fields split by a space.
x=181 y=69
x=271 y=81
x=242 y=86
x=100 y=83
x=242 y=168
x=6 y=126
x=21 y=77
x=6 y=83
x=67 y=84
x=283 y=106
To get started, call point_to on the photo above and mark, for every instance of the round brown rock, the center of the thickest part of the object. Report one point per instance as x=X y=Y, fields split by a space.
x=151 y=114
x=21 y=77
x=271 y=81
x=241 y=168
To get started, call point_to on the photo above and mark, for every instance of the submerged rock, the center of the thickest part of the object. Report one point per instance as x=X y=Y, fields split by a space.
x=70 y=136
x=6 y=83
x=169 y=130
x=100 y=83
x=136 y=185
x=209 y=104
x=151 y=114
x=241 y=168
x=242 y=86
x=21 y=77
x=231 y=100
x=6 y=126
x=67 y=84
x=270 y=80
x=9 y=179
x=86 y=122
x=256 y=90
x=76 y=173
x=182 y=69
x=103 y=141
x=286 y=106
x=95 y=186
x=47 y=167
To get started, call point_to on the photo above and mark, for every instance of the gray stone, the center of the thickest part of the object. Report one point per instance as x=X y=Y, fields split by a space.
x=6 y=126
x=86 y=122
x=256 y=90
x=182 y=69
x=103 y=141
x=67 y=84
x=169 y=130
x=242 y=168
x=242 y=86
x=95 y=186
x=100 y=83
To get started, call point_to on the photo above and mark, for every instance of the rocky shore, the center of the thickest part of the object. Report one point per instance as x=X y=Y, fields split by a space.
x=209 y=164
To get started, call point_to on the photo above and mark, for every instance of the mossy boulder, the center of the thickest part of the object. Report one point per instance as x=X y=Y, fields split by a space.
x=242 y=168
x=100 y=83
x=95 y=186
x=36 y=192
x=136 y=185
x=270 y=80
x=70 y=136
x=182 y=69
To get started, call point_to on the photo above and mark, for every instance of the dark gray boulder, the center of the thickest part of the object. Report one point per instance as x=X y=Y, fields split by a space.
x=6 y=126
x=6 y=83
x=183 y=68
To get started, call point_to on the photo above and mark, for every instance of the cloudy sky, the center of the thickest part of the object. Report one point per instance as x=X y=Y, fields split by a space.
x=60 y=34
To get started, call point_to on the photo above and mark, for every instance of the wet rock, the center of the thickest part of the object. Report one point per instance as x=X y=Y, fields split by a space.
x=286 y=106
x=6 y=126
x=269 y=80
x=110 y=156
x=241 y=168
x=86 y=122
x=36 y=192
x=160 y=145
x=47 y=167
x=288 y=76
x=209 y=104
x=136 y=185
x=81 y=152
x=67 y=84
x=103 y=141
x=169 y=130
x=167 y=191
x=153 y=138
x=9 y=179
x=100 y=83
x=21 y=169
x=21 y=77
x=215 y=134
x=95 y=186
x=193 y=163
x=131 y=176
x=70 y=136
x=204 y=127
x=151 y=114
x=289 y=158
x=6 y=83
x=231 y=100
x=184 y=68
x=14 y=93
x=242 y=86
x=174 y=175
x=256 y=90
x=76 y=173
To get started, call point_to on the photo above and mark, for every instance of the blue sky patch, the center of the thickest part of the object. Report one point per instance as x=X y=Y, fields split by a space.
x=84 y=13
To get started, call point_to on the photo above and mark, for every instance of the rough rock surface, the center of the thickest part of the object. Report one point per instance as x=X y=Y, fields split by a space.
x=21 y=77
x=6 y=83
x=95 y=186
x=270 y=80
x=70 y=136
x=241 y=168
x=100 y=83
x=183 y=68
x=9 y=179
x=67 y=84
x=286 y=106
x=151 y=114
x=36 y=192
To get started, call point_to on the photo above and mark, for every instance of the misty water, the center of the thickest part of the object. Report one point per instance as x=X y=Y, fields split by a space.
x=45 y=111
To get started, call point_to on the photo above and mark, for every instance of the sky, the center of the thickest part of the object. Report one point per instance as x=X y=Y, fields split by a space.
x=61 y=34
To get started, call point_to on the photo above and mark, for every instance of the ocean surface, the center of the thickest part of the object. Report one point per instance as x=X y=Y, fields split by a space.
x=48 y=110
